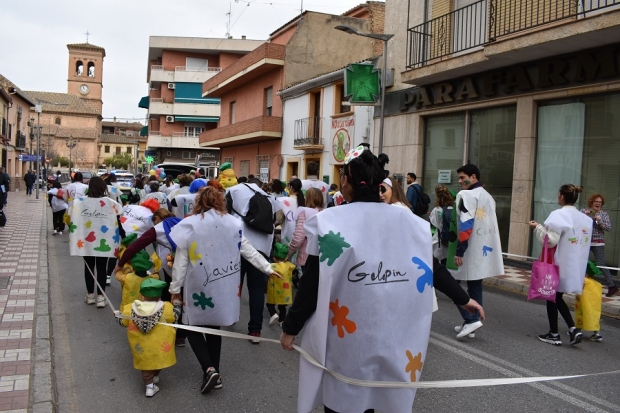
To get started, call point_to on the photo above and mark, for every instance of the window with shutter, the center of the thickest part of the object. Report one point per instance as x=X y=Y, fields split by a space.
x=268 y=101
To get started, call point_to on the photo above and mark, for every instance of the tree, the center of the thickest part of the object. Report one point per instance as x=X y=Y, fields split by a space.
x=119 y=161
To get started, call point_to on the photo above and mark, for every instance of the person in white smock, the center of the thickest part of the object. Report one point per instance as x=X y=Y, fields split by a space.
x=571 y=232
x=351 y=275
x=312 y=181
x=207 y=264
x=479 y=249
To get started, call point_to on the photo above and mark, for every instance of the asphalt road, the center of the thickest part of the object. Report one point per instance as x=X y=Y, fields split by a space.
x=94 y=371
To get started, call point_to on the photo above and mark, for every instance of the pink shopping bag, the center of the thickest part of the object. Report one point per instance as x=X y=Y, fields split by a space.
x=545 y=275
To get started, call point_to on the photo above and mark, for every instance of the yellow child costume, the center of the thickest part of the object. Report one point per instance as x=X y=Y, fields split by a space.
x=152 y=344
x=227 y=176
x=132 y=275
x=279 y=291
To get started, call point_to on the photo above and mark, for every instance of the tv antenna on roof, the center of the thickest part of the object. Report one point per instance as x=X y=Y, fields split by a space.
x=229 y=14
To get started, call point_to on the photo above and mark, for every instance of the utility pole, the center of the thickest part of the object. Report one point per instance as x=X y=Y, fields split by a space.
x=38 y=109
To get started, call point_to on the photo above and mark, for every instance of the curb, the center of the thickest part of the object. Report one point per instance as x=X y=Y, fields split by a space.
x=42 y=394
x=606 y=310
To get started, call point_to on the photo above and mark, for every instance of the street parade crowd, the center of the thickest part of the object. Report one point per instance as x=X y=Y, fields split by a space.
x=345 y=249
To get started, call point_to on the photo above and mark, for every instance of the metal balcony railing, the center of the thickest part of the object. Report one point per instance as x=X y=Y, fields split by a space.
x=20 y=141
x=308 y=131
x=200 y=69
x=485 y=21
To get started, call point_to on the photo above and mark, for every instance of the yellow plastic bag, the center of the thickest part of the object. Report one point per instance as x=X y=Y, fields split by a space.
x=588 y=306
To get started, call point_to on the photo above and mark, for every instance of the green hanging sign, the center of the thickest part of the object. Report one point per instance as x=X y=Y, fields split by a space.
x=149 y=159
x=361 y=83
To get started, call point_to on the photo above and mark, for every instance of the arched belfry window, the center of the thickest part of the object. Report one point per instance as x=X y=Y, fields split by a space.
x=91 y=69
x=57 y=121
x=79 y=68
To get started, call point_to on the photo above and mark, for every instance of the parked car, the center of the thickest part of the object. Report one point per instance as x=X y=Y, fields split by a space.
x=124 y=181
x=101 y=172
x=86 y=175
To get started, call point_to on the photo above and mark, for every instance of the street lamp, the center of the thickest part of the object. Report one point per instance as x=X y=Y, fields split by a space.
x=38 y=109
x=384 y=38
x=71 y=143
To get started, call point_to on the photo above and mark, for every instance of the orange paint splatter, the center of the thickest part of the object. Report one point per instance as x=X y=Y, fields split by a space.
x=166 y=347
x=340 y=319
x=414 y=364
x=80 y=244
x=132 y=327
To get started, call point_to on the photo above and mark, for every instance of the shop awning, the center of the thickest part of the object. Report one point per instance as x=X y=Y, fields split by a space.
x=144 y=102
x=144 y=131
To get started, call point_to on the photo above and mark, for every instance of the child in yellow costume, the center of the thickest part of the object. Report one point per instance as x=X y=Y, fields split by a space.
x=227 y=176
x=279 y=291
x=152 y=345
x=132 y=275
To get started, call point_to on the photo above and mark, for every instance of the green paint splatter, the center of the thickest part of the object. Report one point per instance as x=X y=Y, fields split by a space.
x=138 y=349
x=203 y=301
x=72 y=227
x=331 y=246
x=103 y=246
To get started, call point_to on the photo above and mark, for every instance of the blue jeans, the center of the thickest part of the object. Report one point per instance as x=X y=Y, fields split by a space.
x=474 y=289
x=29 y=189
x=257 y=281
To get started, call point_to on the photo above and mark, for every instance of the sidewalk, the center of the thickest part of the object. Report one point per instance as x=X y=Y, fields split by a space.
x=25 y=353
x=518 y=280
x=25 y=348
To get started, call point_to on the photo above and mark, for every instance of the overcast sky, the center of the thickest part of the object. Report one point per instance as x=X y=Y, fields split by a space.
x=34 y=35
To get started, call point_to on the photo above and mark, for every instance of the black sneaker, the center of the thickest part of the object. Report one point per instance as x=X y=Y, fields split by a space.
x=218 y=384
x=551 y=339
x=209 y=380
x=575 y=337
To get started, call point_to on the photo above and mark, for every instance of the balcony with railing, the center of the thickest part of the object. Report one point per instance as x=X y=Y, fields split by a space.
x=182 y=74
x=20 y=141
x=254 y=130
x=174 y=140
x=308 y=133
x=467 y=39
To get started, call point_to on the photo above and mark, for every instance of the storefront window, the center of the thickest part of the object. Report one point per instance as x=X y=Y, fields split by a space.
x=490 y=146
x=492 y=149
x=578 y=143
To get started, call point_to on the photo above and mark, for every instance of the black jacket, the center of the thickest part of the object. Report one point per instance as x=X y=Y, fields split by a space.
x=30 y=179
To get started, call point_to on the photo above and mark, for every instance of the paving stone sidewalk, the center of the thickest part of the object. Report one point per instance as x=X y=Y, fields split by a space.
x=25 y=356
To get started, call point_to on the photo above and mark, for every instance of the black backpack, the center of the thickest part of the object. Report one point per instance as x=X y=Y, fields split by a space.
x=421 y=208
x=444 y=235
x=260 y=212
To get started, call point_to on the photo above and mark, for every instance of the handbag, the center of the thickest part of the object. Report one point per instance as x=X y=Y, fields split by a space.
x=545 y=275
x=588 y=306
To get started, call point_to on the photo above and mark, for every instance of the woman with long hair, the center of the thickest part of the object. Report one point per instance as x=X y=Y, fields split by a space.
x=59 y=207
x=600 y=224
x=207 y=264
x=95 y=234
x=290 y=204
x=392 y=193
x=439 y=217
x=570 y=231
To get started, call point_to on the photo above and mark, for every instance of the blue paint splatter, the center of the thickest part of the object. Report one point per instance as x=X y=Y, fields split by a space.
x=426 y=278
x=104 y=229
x=485 y=250
x=117 y=236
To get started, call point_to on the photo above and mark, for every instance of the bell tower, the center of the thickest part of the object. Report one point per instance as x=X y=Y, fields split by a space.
x=85 y=76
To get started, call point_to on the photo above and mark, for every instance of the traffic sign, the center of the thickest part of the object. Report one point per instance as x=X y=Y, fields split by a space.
x=28 y=158
x=47 y=160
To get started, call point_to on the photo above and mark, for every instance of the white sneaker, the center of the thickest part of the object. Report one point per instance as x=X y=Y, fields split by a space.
x=60 y=233
x=100 y=301
x=108 y=280
x=90 y=299
x=274 y=319
x=467 y=329
x=150 y=391
x=55 y=232
x=155 y=379
x=459 y=328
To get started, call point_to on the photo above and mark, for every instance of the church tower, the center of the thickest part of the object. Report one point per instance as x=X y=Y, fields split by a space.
x=86 y=73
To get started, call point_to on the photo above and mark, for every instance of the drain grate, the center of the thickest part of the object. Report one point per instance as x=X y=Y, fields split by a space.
x=4 y=282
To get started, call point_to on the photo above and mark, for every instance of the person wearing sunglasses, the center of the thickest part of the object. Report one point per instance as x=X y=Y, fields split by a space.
x=392 y=193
